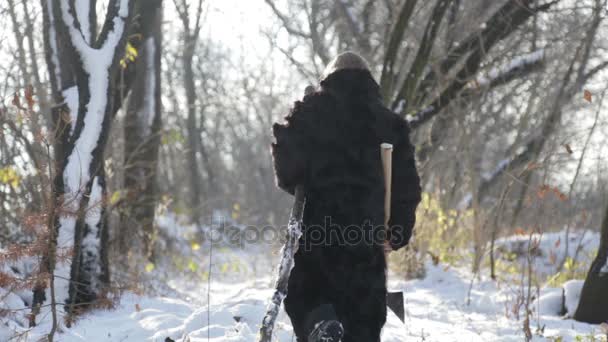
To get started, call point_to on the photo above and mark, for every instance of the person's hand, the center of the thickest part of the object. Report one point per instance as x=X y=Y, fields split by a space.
x=387 y=247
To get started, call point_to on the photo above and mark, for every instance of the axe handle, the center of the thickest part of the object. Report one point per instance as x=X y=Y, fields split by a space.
x=386 y=153
x=394 y=300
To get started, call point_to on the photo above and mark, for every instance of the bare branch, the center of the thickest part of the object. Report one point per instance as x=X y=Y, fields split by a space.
x=410 y=84
x=286 y=21
x=396 y=37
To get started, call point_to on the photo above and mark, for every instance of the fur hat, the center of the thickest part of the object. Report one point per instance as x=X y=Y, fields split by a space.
x=345 y=60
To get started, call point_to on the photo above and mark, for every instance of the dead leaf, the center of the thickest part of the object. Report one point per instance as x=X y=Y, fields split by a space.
x=562 y=197
x=588 y=96
x=66 y=117
x=29 y=97
x=542 y=191
x=584 y=215
x=17 y=101
x=137 y=307
x=568 y=148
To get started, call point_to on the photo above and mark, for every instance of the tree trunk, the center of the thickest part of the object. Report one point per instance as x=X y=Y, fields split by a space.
x=83 y=78
x=191 y=34
x=142 y=132
x=193 y=131
x=81 y=186
x=41 y=90
x=593 y=305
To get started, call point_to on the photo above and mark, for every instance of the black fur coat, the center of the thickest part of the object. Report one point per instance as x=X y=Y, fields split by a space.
x=330 y=143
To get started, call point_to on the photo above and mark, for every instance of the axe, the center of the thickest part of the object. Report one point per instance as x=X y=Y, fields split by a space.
x=394 y=300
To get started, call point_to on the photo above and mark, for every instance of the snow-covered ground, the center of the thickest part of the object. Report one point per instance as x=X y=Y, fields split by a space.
x=438 y=308
x=449 y=304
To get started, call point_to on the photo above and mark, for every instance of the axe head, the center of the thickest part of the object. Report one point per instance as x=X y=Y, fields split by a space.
x=394 y=301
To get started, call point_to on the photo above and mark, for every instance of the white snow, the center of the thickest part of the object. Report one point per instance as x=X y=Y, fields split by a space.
x=96 y=62
x=500 y=167
x=572 y=295
x=400 y=106
x=436 y=310
x=449 y=304
x=82 y=9
x=551 y=303
x=91 y=241
x=515 y=63
x=70 y=96
x=551 y=249
x=604 y=269
x=13 y=320
x=146 y=115
x=465 y=202
x=421 y=114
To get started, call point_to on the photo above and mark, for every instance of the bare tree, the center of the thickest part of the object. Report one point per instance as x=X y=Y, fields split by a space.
x=191 y=33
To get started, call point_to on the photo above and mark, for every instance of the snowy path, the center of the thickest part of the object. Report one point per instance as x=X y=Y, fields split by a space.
x=441 y=307
x=436 y=310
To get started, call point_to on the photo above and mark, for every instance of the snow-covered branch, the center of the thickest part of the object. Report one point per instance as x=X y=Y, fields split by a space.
x=82 y=9
x=514 y=69
x=515 y=66
x=96 y=63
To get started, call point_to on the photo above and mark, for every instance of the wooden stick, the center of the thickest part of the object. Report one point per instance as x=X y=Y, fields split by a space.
x=294 y=231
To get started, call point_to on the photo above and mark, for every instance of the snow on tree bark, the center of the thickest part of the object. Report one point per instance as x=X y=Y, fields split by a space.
x=294 y=232
x=91 y=242
x=84 y=68
x=142 y=127
x=83 y=177
x=61 y=77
